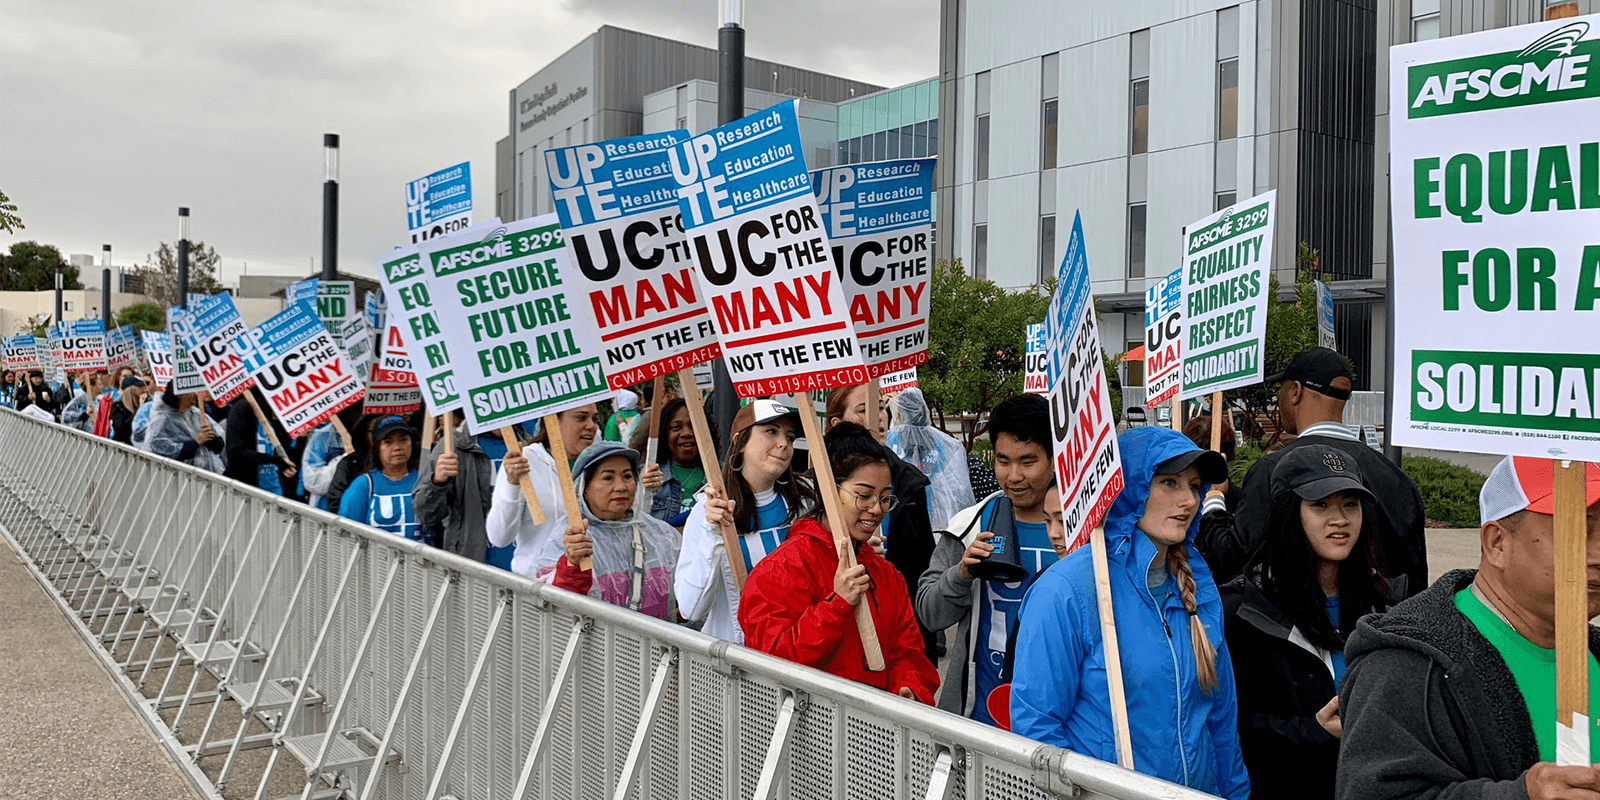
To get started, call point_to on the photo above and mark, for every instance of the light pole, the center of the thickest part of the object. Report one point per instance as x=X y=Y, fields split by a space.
x=183 y=256
x=730 y=106
x=58 y=294
x=105 y=285
x=330 y=206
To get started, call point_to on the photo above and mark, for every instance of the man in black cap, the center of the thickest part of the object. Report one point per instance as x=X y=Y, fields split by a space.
x=1311 y=398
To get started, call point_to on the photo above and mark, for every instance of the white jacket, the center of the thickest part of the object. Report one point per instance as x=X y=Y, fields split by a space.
x=508 y=515
x=703 y=582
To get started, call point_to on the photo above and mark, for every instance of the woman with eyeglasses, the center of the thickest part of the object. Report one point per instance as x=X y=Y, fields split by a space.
x=800 y=605
x=763 y=498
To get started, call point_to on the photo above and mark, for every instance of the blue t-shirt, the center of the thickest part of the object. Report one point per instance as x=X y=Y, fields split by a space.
x=382 y=503
x=494 y=446
x=770 y=530
x=1337 y=656
x=997 y=610
x=266 y=474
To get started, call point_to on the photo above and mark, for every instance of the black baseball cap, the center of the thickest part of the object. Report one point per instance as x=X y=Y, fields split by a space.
x=1213 y=467
x=1317 y=471
x=130 y=382
x=390 y=424
x=1316 y=370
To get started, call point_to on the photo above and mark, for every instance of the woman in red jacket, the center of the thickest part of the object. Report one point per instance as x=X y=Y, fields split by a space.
x=797 y=603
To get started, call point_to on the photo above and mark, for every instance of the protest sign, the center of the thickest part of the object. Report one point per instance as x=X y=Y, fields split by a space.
x=377 y=311
x=899 y=381
x=879 y=219
x=1036 y=364
x=1227 y=262
x=764 y=258
x=336 y=302
x=1496 y=198
x=393 y=386
x=505 y=306
x=209 y=331
x=122 y=348
x=21 y=353
x=300 y=290
x=1324 y=315
x=1163 y=339
x=440 y=204
x=83 y=345
x=294 y=360
x=185 y=374
x=1087 y=463
x=355 y=337
x=158 y=351
x=618 y=205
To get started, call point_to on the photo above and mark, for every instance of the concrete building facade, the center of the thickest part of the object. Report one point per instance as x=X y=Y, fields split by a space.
x=1147 y=116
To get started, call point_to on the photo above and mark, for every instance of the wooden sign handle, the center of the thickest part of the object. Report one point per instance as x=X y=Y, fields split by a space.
x=569 y=494
x=1572 y=617
x=514 y=448
x=1216 y=421
x=875 y=408
x=1176 y=422
x=347 y=441
x=266 y=425
x=708 y=462
x=652 y=443
x=841 y=539
x=1108 y=637
x=431 y=428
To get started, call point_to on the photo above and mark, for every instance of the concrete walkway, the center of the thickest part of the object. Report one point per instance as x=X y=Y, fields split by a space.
x=65 y=730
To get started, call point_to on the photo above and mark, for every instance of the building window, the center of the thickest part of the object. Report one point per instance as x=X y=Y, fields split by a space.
x=1050 y=91
x=1047 y=247
x=1047 y=135
x=1136 y=238
x=980 y=169
x=1424 y=20
x=1135 y=368
x=980 y=251
x=1139 y=74
x=1228 y=99
x=1225 y=199
x=1560 y=9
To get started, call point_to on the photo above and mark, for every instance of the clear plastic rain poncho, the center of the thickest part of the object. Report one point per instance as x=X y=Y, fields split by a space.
x=170 y=429
x=613 y=560
x=936 y=453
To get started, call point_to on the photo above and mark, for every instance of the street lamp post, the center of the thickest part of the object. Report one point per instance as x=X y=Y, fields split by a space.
x=730 y=106
x=183 y=257
x=58 y=293
x=330 y=206
x=105 y=285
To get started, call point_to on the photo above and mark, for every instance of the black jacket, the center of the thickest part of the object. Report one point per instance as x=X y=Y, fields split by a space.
x=1400 y=520
x=1430 y=708
x=122 y=423
x=909 y=542
x=459 y=509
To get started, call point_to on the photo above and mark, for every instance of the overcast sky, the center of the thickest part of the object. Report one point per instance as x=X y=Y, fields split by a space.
x=115 y=113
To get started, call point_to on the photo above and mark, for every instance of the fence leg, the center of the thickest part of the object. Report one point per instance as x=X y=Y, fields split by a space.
x=410 y=681
x=940 y=780
x=178 y=592
x=652 y=706
x=767 y=786
x=466 y=696
x=205 y=594
x=350 y=679
x=558 y=689
x=144 y=578
x=133 y=562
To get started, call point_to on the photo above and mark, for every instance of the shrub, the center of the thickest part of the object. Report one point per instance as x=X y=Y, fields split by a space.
x=1244 y=457
x=984 y=450
x=1449 y=492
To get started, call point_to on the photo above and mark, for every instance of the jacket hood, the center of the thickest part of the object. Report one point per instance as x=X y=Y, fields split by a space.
x=1143 y=449
x=589 y=458
x=1428 y=623
x=911 y=409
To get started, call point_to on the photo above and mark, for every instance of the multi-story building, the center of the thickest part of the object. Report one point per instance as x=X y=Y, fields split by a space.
x=597 y=89
x=1146 y=116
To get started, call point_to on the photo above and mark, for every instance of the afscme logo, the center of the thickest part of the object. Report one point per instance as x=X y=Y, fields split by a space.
x=1553 y=68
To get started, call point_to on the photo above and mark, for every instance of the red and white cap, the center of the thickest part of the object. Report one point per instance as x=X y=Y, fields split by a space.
x=1520 y=483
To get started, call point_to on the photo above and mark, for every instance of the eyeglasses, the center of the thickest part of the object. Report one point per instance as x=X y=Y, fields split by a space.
x=865 y=502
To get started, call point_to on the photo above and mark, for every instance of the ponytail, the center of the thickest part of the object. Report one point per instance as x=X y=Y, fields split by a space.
x=1205 y=655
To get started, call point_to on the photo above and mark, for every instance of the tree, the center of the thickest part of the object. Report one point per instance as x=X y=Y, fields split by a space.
x=36 y=324
x=976 y=341
x=160 y=273
x=31 y=267
x=9 y=221
x=143 y=316
x=1291 y=328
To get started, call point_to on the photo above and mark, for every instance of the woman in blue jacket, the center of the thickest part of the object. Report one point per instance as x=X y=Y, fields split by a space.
x=1178 y=680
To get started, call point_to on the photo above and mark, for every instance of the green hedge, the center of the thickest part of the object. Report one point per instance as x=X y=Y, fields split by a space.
x=1449 y=492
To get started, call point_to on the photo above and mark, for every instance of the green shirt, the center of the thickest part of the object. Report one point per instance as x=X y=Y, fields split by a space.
x=1534 y=669
x=690 y=479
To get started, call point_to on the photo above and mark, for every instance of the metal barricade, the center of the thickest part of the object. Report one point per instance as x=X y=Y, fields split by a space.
x=376 y=667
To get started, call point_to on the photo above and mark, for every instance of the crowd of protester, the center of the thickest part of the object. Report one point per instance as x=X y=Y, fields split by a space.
x=1277 y=638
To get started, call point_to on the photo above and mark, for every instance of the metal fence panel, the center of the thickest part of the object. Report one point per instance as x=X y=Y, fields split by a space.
x=714 y=710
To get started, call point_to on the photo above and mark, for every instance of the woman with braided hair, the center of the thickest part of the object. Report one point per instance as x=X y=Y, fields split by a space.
x=1178 y=679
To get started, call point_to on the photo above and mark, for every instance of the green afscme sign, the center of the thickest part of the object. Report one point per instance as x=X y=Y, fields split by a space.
x=1557 y=67
x=1529 y=391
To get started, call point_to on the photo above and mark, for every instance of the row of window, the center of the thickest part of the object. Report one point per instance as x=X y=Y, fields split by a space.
x=909 y=141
